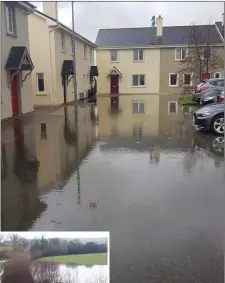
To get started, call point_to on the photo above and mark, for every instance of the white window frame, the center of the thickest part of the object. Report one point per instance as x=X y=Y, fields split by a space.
x=63 y=42
x=170 y=102
x=190 y=79
x=85 y=51
x=139 y=80
x=138 y=101
x=180 y=48
x=214 y=75
x=177 y=79
x=138 y=50
x=117 y=56
x=42 y=74
x=10 y=9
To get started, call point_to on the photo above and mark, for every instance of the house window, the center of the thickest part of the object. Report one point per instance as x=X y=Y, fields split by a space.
x=91 y=55
x=10 y=19
x=114 y=55
x=173 y=79
x=138 y=55
x=172 y=106
x=138 y=107
x=216 y=75
x=138 y=80
x=180 y=53
x=85 y=51
x=187 y=79
x=40 y=81
x=63 y=41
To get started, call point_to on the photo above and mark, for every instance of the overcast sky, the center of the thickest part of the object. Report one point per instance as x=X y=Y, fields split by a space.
x=90 y=17
x=86 y=235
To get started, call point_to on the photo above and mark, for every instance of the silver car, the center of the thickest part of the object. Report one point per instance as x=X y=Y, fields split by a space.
x=210 y=83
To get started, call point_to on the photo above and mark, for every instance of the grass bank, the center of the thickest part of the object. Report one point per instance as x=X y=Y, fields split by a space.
x=186 y=100
x=84 y=259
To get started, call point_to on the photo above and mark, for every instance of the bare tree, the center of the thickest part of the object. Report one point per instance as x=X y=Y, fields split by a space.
x=201 y=57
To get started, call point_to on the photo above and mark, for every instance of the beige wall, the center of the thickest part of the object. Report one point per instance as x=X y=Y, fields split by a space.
x=40 y=53
x=124 y=123
x=169 y=65
x=126 y=65
x=7 y=41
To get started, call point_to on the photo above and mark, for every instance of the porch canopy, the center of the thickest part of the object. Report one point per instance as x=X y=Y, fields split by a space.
x=114 y=71
x=19 y=59
x=67 y=68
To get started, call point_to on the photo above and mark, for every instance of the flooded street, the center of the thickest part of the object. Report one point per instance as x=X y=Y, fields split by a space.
x=140 y=172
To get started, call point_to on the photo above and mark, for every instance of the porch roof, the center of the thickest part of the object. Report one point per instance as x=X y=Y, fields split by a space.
x=19 y=59
x=67 y=67
x=114 y=71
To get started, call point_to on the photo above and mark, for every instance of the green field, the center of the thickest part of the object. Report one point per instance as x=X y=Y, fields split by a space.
x=86 y=259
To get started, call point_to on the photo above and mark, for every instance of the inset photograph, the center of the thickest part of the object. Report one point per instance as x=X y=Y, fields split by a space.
x=54 y=257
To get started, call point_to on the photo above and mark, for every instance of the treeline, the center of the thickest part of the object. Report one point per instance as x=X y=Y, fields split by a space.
x=40 y=247
x=56 y=246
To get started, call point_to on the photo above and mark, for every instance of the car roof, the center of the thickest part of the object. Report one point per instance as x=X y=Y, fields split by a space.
x=216 y=79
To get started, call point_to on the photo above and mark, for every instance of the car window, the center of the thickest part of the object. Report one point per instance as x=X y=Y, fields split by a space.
x=220 y=83
x=201 y=83
x=213 y=83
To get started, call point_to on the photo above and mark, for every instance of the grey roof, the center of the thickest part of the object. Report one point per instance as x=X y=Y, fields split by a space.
x=15 y=57
x=146 y=36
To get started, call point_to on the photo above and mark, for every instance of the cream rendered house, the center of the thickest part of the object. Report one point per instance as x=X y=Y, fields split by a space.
x=51 y=48
x=16 y=62
x=145 y=60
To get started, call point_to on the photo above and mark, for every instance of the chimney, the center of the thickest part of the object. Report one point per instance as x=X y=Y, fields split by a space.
x=50 y=8
x=159 y=26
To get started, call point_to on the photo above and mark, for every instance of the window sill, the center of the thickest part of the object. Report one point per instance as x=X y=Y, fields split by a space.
x=11 y=34
x=138 y=61
x=41 y=94
x=63 y=51
x=173 y=85
x=114 y=61
x=138 y=86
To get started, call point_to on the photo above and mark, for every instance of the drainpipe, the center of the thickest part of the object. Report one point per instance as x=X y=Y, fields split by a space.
x=51 y=62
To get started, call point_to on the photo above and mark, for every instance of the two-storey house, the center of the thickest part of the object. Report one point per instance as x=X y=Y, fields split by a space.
x=146 y=60
x=51 y=50
x=16 y=62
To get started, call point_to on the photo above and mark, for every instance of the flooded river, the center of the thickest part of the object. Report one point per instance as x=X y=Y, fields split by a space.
x=139 y=171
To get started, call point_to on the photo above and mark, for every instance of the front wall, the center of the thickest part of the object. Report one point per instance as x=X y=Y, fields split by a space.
x=82 y=66
x=39 y=44
x=26 y=98
x=126 y=65
x=169 y=65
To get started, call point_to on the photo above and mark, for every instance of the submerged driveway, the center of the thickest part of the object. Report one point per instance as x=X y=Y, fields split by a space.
x=151 y=180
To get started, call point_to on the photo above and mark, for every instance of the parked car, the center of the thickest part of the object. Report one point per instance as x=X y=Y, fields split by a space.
x=210 y=118
x=210 y=83
x=214 y=95
x=208 y=92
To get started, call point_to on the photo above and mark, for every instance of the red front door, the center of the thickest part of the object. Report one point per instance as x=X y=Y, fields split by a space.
x=114 y=83
x=14 y=95
x=205 y=76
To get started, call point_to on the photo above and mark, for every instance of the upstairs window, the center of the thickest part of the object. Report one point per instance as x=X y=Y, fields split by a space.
x=173 y=79
x=114 y=55
x=180 y=53
x=187 y=79
x=10 y=19
x=138 y=55
x=85 y=51
x=62 y=41
x=91 y=54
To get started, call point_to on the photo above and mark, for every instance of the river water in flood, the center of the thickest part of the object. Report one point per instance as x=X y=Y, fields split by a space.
x=140 y=171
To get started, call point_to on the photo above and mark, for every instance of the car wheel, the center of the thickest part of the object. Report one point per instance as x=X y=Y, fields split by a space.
x=218 y=124
x=218 y=144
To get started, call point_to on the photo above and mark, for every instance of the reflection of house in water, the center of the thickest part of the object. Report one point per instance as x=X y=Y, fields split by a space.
x=58 y=152
x=20 y=203
x=144 y=123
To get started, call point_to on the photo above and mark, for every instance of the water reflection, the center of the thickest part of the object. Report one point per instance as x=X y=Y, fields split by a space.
x=69 y=273
x=40 y=155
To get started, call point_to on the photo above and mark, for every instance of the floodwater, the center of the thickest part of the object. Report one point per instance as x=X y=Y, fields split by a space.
x=151 y=180
x=70 y=272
